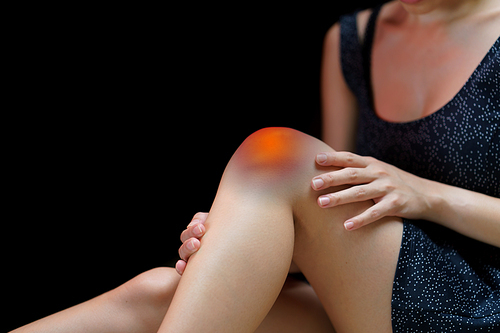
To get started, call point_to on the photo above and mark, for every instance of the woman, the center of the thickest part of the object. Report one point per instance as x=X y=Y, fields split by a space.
x=404 y=238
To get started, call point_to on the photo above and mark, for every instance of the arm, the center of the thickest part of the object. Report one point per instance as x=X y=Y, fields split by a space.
x=399 y=193
x=470 y=213
x=339 y=106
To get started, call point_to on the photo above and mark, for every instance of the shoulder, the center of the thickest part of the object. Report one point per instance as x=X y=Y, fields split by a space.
x=332 y=36
x=362 y=21
x=339 y=106
x=390 y=14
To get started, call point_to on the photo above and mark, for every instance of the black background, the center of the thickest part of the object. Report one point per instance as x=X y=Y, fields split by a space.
x=121 y=123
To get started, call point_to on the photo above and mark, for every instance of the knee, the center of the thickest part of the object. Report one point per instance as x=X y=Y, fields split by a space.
x=154 y=287
x=276 y=153
x=269 y=148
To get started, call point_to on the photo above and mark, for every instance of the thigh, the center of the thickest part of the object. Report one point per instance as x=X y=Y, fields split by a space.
x=297 y=309
x=351 y=271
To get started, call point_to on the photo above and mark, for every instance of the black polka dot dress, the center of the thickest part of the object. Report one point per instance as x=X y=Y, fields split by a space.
x=445 y=282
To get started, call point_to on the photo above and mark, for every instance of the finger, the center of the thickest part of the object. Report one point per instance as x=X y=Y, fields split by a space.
x=180 y=267
x=188 y=248
x=341 y=159
x=372 y=214
x=345 y=176
x=195 y=231
x=353 y=194
x=198 y=218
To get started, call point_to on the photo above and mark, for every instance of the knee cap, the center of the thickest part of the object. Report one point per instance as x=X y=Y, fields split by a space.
x=274 y=151
x=156 y=285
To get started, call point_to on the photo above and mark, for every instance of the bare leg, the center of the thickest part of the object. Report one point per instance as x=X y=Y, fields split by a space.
x=297 y=309
x=264 y=196
x=352 y=272
x=139 y=306
x=232 y=282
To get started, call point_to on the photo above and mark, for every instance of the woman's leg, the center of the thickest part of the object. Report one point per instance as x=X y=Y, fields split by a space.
x=297 y=309
x=138 y=306
x=263 y=208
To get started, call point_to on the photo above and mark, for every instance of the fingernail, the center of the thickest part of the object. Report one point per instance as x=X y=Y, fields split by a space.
x=349 y=225
x=198 y=231
x=190 y=245
x=323 y=201
x=193 y=222
x=180 y=266
x=318 y=182
x=321 y=158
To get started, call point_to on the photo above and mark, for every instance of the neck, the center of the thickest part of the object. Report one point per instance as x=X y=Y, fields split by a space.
x=447 y=11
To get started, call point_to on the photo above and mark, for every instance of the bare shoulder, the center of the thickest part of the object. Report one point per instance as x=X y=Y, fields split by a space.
x=362 y=21
x=391 y=12
x=332 y=37
x=339 y=106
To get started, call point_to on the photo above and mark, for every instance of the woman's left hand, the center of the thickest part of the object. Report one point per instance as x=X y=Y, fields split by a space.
x=394 y=191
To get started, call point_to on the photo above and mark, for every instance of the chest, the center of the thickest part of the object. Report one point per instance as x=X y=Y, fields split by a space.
x=414 y=76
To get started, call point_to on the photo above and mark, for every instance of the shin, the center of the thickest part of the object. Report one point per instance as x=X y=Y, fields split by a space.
x=232 y=282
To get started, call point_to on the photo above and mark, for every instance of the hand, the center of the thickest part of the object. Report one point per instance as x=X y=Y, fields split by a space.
x=191 y=240
x=394 y=191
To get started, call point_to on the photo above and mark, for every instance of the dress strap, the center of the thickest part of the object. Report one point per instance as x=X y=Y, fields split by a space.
x=355 y=58
x=367 y=51
x=350 y=53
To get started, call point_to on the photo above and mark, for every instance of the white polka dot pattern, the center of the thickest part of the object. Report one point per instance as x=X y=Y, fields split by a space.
x=445 y=282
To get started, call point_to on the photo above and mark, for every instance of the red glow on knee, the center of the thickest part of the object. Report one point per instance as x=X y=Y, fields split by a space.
x=270 y=149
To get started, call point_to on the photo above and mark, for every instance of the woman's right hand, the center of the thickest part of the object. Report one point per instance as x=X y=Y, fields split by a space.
x=191 y=240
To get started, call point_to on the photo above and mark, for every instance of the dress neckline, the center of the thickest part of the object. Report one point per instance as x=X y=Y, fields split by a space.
x=367 y=52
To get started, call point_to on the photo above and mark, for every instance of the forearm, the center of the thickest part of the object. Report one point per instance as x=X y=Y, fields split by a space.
x=470 y=213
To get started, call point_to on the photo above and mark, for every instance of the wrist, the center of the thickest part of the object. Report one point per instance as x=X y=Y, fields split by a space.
x=436 y=198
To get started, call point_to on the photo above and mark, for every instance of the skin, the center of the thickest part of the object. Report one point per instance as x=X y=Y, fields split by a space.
x=139 y=306
x=346 y=266
x=396 y=192
x=231 y=282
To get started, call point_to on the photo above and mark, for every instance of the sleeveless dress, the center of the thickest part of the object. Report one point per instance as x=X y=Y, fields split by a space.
x=444 y=282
